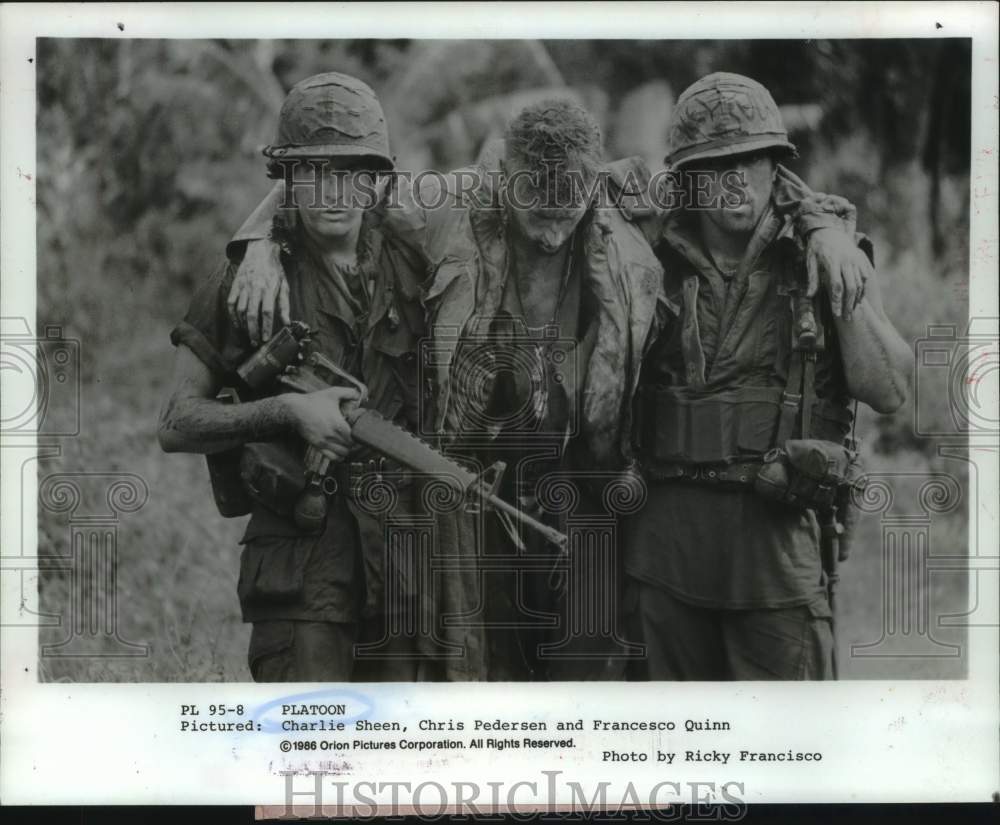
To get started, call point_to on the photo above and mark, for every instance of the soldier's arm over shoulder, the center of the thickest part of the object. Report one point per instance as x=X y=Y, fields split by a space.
x=257 y=226
x=810 y=210
x=259 y=289
x=825 y=224
x=448 y=241
x=630 y=187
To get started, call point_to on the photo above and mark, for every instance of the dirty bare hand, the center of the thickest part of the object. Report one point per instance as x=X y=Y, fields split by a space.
x=258 y=288
x=319 y=419
x=834 y=261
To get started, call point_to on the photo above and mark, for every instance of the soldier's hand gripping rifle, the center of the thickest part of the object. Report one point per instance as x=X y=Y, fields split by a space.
x=281 y=358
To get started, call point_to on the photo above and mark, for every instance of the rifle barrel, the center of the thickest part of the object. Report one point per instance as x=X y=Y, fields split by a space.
x=553 y=535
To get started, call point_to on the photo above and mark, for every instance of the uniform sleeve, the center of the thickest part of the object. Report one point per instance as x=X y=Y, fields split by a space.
x=208 y=331
x=258 y=225
x=630 y=187
x=811 y=210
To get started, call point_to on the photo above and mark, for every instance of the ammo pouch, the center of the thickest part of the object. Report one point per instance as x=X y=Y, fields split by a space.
x=231 y=499
x=809 y=474
x=273 y=476
x=677 y=425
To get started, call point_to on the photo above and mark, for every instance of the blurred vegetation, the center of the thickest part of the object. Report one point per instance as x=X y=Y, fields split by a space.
x=149 y=158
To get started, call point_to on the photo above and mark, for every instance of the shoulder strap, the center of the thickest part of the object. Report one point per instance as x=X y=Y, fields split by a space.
x=791 y=398
x=808 y=391
x=800 y=388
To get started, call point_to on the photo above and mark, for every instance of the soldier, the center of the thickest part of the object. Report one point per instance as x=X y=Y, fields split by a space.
x=525 y=259
x=750 y=380
x=310 y=597
x=552 y=279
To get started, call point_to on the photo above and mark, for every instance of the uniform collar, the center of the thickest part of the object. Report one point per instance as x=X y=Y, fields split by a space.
x=338 y=298
x=681 y=233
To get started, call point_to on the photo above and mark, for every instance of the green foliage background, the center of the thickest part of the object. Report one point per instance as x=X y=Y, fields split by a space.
x=149 y=158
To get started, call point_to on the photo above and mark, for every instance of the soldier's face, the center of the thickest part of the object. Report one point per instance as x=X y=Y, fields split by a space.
x=545 y=211
x=740 y=190
x=547 y=230
x=336 y=211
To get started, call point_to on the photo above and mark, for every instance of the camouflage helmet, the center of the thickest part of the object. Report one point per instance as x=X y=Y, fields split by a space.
x=332 y=115
x=724 y=114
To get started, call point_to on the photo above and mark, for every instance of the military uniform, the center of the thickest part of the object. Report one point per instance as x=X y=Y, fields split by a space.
x=710 y=400
x=724 y=584
x=574 y=407
x=308 y=595
x=464 y=249
x=312 y=595
x=612 y=306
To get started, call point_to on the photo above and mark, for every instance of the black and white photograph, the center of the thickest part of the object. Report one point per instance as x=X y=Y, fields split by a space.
x=656 y=431
x=528 y=361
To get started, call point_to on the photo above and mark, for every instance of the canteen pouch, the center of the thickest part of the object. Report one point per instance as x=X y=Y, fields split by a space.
x=809 y=474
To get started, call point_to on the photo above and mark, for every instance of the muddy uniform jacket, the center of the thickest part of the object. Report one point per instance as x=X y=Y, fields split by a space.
x=618 y=281
x=336 y=575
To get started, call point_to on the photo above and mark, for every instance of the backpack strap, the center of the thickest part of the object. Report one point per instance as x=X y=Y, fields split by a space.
x=800 y=388
x=791 y=398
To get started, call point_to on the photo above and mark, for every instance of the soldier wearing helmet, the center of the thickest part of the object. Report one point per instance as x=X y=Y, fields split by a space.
x=523 y=266
x=744 y=409
x=310 y=595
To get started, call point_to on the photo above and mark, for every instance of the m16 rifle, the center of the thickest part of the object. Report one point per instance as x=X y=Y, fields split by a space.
x=282 y=360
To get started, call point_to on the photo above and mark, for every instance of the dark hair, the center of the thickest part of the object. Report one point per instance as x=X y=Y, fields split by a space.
x=552 y=131
x=551 y=137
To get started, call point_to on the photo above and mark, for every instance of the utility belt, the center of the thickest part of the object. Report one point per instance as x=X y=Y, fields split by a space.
x=740 y=438
x=736 y=475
